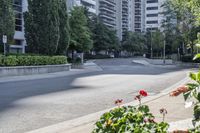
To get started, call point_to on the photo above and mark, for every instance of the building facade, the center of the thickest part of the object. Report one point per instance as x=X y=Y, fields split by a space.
x=154 y=16
x=90 y=4
x=20 y=6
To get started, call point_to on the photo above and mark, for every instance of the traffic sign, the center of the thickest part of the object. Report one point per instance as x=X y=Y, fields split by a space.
x=4 y=39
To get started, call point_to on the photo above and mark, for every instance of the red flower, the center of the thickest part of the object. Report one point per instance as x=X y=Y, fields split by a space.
x=143 y=93
x=118 y=101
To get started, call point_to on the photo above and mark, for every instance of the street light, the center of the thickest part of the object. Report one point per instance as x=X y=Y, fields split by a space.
x=151 y=44
x=164 y=58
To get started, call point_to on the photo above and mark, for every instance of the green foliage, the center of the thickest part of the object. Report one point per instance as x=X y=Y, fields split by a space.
x=7 y=20
x=46 y=27
x=10 y=61
x=134 y=42
x=180 y=24
x=80 y=33
x=193 y=92
x=22 y=60
x=103 y=38
x=129 y=119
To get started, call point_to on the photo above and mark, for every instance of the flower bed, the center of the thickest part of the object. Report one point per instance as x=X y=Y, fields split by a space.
x=131 y=119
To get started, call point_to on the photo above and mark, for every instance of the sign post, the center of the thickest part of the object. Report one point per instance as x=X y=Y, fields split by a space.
x=4 y=43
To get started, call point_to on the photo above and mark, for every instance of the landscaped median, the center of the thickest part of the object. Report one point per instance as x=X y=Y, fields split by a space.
x=14 y=65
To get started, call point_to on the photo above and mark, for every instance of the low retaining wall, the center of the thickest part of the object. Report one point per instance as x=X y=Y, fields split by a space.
x=30 y=70
x=160 y=61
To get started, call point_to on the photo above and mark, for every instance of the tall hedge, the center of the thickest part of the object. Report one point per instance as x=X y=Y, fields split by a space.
x=26 y=60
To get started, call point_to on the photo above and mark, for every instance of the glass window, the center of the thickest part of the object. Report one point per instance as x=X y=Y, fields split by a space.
x=152 y=8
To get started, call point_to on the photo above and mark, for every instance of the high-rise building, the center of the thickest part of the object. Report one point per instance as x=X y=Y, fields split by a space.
x=115 y=14
x=90 y=4
x=154 y=16
x=107 y=12
x=18 y=46
x=139 y=15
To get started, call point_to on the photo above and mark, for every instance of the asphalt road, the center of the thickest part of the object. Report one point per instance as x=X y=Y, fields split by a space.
x=36 y=103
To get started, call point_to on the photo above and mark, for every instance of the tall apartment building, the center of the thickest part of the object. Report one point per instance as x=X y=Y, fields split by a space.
x=139 y=15
x=115 y=14
x=20 y=6
x=154 y=16
x=108 y=13
x=90 y=4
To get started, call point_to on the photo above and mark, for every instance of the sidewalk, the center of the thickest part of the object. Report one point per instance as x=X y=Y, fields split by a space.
x=175 y=107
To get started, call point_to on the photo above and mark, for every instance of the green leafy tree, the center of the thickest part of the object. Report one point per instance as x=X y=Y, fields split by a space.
x=46 y=29
x=134 y=43
x=157 y=42
x=187 y=21
x=7 y=20
x=64 y=28
x=105 y=39
x=80 y=33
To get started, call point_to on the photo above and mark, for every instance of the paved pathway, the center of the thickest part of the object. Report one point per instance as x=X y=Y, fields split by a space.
x=32 y=102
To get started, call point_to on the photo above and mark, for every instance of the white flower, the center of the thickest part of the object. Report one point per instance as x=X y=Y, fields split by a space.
x=188 y=104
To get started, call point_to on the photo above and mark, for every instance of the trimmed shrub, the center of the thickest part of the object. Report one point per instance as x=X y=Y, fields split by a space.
x=1 y=60
x=10 y=61
x=23 y=60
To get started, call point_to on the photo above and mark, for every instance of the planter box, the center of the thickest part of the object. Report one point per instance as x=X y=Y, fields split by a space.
x=30 y=70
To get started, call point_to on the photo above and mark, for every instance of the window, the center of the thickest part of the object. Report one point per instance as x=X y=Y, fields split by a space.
x=17 y=5
x=137 y=25
x=152 y=8
x=152 y=1
x=152 y=22
x=152 y=15
x=152 y=29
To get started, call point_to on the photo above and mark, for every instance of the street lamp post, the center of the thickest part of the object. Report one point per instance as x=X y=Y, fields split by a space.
x=164 y=58
x=151 y=44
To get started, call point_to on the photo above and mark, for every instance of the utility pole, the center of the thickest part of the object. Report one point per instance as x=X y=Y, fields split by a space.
x=151 y=44
x=164 y=58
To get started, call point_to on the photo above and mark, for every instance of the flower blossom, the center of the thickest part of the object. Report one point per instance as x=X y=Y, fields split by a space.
x=179 y=90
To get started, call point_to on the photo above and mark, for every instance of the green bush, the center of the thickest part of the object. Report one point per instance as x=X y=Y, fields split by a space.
x=189 y=58
x=131 y=120
x=1 y=60
x=28 y=60
x=10 y=61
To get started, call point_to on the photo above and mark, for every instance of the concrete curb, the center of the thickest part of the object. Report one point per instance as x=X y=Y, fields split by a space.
x=181 y=125
x=88 y=68
x=77 y=125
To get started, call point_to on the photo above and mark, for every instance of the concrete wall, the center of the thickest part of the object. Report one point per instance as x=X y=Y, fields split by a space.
x=30 y=70
x=160 y=61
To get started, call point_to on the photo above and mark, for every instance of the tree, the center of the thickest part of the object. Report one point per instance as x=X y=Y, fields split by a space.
x=172 y=33
x=157 y=42
x=64 y=28
x=134 y=43
x=46 y=30
x=187 y=15
x=105 y=39
x=80 y=33
x=7 y=21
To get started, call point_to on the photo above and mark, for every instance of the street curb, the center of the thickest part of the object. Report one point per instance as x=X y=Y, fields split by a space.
x=71 y=125
x=93 y=68
x=181 y=125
